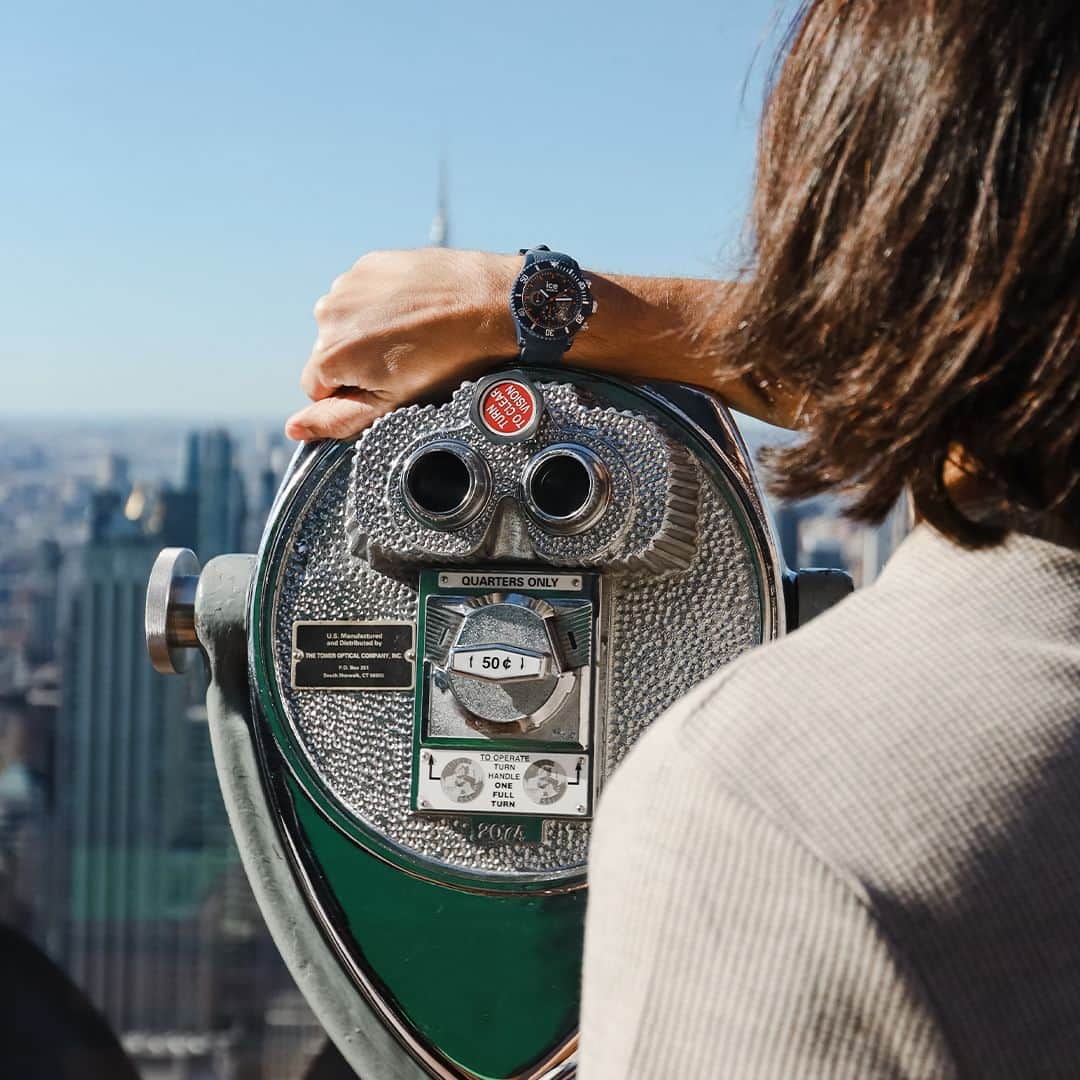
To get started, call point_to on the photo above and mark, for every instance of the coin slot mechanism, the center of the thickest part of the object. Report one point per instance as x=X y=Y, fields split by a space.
x=505 y=692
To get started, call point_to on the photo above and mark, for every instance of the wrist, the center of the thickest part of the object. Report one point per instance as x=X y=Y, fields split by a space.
x=631 y=318
x=495 y=276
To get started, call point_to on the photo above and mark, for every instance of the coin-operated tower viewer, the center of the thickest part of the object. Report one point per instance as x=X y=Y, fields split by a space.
x=455 y=629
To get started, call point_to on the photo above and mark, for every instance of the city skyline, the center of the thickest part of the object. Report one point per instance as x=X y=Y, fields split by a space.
x=116 y=858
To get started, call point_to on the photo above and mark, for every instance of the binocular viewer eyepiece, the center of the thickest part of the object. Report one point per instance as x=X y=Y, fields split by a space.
x=445 y=483
x=454 y=631
x=564 y=487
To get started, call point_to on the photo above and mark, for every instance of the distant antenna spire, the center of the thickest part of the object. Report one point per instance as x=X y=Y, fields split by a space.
x=440 y=224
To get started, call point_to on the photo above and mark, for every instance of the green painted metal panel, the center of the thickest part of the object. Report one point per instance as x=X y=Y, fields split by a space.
x=492 y=980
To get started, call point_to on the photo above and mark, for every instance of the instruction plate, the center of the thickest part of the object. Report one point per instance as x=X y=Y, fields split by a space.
x=504 y=782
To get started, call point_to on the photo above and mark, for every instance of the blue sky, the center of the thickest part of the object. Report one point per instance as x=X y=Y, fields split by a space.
x=180 y=182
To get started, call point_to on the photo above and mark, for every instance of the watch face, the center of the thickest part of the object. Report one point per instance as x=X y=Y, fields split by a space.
x=550 y=300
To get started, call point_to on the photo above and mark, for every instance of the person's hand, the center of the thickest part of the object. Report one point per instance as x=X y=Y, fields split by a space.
x=402 y=325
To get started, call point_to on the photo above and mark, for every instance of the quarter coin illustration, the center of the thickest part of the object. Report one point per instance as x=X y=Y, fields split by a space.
x=545 y=782
x=462 y=779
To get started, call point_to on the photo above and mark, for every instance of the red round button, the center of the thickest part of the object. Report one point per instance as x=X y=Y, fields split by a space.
x=507 y=407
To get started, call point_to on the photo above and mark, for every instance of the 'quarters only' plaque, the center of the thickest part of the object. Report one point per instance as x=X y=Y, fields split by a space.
x=353 y=656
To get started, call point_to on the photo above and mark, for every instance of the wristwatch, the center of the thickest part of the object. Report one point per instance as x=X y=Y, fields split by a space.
x=550 y=300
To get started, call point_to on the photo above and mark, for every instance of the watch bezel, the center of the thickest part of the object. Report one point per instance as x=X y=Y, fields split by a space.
x=526 y=325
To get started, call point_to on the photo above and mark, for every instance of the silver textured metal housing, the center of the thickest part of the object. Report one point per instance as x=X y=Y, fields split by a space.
x=648 y=525
x=692 y=580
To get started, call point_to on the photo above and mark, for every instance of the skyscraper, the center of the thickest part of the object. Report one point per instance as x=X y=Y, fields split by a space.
x=210 y=473
x=149 y=912
x=120 y=754
x=44 y=590
x=27 y=725
x=439 y=235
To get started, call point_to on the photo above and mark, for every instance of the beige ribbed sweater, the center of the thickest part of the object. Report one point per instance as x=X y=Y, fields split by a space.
x=856 y=851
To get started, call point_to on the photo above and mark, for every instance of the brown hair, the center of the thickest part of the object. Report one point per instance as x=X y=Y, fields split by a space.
x=915 y=254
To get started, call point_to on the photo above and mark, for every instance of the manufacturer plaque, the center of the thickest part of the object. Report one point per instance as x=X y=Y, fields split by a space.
x=353 y=656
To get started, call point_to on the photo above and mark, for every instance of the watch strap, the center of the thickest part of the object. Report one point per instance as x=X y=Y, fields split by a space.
x=544 y=252
x=542 y=353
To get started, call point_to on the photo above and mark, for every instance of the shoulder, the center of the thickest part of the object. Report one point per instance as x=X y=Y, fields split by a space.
x=917 y=746
x=901 y=724
x=730 y=880
x=714 y=933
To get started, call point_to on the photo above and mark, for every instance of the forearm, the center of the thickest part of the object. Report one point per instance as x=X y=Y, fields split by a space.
x=403 y=325
x=669 y=328
x=664 y=328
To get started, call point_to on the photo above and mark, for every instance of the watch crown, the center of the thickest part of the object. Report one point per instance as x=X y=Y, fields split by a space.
x=588 y=282
x=584 y=326
x=595 y=305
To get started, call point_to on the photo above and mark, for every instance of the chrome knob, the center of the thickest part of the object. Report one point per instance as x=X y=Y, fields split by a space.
x=170 y=610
